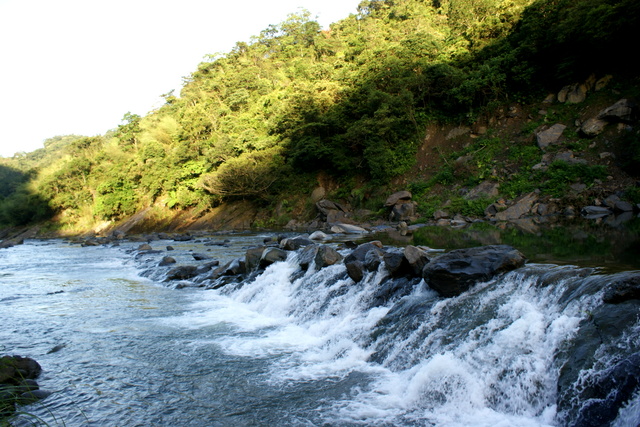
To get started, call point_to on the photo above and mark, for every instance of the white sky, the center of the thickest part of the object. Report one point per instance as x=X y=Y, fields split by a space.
x=77 y=66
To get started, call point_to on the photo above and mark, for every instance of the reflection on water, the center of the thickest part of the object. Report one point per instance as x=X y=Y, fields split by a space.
x=584 y=243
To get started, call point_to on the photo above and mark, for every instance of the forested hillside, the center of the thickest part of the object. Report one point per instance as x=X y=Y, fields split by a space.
x=353 y=102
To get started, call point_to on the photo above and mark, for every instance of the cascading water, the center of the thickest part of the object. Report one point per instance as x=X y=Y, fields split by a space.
x=294 y=347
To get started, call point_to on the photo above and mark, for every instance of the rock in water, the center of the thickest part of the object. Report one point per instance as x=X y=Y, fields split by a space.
x=271 y=255
x=347 y=229
x=456 y=271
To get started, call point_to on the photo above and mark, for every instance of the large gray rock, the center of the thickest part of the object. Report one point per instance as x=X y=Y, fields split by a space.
x=318 y=235
x=182 y=272
x=405 y=211
x=17 y=384
x=621 y=111
x=307 y=256
x=359 y=260
x=252 y=257
x=232 y=268
x=16 y=368
x=456 y=271
x=347 y=229
x=295 y=243
x=166 y=260
x=624 y=287
x=578 y=94
x=327 y=256
x=272 y=255
x=355 y=270
x=416 y=258
x=321 y=255
x=396 y=197
x=331 y=211
x=484 y=189
x=521 y=207
x=588 y=393
x=550 y=136
x=396 y=263
x=593 y=126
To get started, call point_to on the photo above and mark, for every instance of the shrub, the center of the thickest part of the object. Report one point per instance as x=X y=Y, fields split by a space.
x=249 y=175
x=115 y=198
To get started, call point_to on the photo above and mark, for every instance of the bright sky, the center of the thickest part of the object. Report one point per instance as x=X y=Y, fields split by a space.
x=77 y=66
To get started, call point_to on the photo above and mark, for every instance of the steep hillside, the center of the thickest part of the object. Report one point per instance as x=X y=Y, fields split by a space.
x=435 y=97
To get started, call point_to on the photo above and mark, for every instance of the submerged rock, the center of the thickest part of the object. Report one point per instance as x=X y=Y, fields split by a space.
x=590 y=392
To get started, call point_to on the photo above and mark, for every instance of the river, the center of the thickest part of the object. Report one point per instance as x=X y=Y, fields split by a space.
x=286 y=349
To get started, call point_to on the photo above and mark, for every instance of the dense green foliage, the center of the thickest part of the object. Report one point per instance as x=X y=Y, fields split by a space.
x=353 y=100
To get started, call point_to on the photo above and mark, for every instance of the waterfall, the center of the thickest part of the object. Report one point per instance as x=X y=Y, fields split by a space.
x=488 y=357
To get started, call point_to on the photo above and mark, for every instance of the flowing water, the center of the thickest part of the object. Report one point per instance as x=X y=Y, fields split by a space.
x=288 y=348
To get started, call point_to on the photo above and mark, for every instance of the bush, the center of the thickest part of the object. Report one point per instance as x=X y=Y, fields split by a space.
x=251 y=174
x=116 y=198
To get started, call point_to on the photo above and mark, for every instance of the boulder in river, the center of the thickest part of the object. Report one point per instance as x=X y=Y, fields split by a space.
x=166 y=260
x=182 y=272
x=17 y=383
x=417 y=258
x=295 y=243
x=252 y=257
x=363 y=258
x=271 y=255
x=198 y=256
x=456 y=271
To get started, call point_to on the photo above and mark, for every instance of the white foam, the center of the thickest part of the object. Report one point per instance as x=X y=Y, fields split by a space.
x=501 y=373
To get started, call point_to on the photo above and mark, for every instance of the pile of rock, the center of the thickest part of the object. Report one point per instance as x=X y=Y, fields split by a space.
x=402 y=207
x=449 y=274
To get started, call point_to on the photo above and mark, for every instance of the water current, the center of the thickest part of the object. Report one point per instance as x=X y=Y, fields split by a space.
x=288 y=348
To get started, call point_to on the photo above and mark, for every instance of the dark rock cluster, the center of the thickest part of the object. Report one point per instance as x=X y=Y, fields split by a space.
x=449 y=274
x=17 y=383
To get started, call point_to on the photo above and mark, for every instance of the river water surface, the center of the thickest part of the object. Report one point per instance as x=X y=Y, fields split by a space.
x=286 y=349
